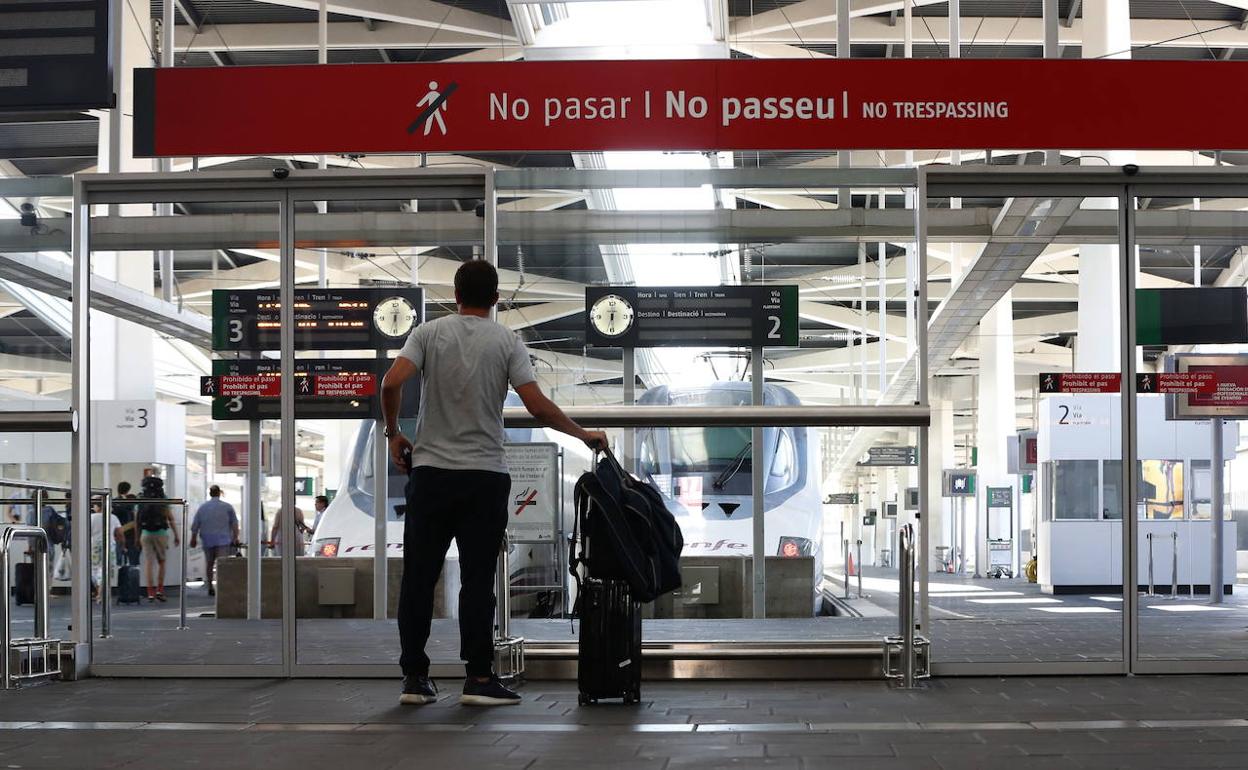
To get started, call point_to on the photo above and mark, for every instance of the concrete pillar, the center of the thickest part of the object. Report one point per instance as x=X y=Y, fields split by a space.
x=1106 y=34
x=995 y=417
x=121 y=351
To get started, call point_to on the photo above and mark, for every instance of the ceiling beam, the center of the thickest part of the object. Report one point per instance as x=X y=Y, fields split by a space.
x=999 y=30
x=420 y=13
x=343 y=35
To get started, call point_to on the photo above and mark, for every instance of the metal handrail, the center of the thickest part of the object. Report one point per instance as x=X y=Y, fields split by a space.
x=732 y=416
x=40 y=539
x=61 y=421
x=44 y=485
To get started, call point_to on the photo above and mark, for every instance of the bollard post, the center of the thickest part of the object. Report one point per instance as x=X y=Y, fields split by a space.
x=1149 y=537
x=859 y=568
x=502 y=591
x=1174 y=565
x=106 y=574
x=186 y=545
x=905 y=607
x=845 y=561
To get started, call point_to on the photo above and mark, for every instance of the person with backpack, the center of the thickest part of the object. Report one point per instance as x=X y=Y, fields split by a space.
x=458 y=484
x=123 y=509
x=156 y=526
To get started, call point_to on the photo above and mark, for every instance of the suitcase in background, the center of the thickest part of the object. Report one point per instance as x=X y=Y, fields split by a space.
x=609 y=647
x=128 y=584
x=24 y=583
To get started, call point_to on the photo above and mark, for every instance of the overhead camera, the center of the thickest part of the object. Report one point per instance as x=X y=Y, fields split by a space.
x=27 y=215
x=1130 y=169
x=281 y=173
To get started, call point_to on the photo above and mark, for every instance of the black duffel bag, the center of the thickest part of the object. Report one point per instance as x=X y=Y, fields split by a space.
x=626 y=532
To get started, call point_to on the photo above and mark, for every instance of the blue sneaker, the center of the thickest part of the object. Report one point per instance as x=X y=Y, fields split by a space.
x=489 y=693
x=418 y=690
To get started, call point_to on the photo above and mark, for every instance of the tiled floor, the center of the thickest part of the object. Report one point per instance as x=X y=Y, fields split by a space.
x=1106 y=722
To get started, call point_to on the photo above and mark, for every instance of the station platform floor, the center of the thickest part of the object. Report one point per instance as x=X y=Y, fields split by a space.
x=1048 y=722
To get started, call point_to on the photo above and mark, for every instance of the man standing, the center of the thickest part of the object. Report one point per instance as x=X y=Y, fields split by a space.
x=320 y=504
x=457 y=484
x=216 y=524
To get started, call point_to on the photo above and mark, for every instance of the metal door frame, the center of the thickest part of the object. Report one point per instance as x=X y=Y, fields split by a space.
x=1124 y=184
x=213 y=186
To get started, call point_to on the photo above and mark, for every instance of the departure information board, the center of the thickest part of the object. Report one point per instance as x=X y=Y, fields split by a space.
x=325 y=388
x=691 y=316
x=374 y=318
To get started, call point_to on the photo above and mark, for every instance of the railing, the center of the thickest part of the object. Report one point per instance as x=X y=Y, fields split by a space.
x=48 y=649
x=508 y=649
x=906 y=656
x=38 y=422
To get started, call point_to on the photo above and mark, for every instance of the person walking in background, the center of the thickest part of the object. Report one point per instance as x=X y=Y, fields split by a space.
x=216 y=525
x=301 y=528
x=156 y=526
x=115 y=540
x=124 y=511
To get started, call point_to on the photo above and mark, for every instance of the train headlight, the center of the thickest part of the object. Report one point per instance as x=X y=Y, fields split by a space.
x=328 y=547
x=793 y=547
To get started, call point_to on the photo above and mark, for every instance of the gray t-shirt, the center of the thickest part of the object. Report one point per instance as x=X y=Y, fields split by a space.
x=465 y=363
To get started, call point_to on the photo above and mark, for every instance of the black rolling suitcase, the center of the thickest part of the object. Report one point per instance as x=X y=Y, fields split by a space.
x=609 y=649
x=24 y=583
x=128 y=591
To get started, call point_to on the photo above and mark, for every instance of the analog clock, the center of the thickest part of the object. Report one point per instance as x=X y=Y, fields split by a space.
x=611 y=315
x=394 y=316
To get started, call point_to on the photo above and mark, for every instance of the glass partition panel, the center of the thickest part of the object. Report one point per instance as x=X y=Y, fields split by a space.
x=1191 y=316
x=371 y=269
x=1025 y=526
x=188 y=582
x=852 y=334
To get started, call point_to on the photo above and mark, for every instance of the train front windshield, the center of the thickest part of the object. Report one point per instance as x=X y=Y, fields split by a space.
x=396 y=480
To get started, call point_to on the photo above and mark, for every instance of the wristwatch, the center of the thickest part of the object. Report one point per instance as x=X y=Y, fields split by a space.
x=389 y=433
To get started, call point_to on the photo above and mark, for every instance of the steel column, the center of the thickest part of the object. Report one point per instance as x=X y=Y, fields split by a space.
x=255 y=522
x=286 y=512
x=758 y=482
x=381 y=508
x=922 y=365
x=80 y=407
x=1130 y=523
x=1217 y=518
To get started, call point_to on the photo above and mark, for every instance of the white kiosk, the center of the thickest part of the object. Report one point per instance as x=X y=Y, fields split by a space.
x=1080 y=496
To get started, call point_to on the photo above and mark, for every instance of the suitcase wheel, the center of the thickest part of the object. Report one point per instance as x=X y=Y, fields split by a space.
x=631 y=698
x=584 y=700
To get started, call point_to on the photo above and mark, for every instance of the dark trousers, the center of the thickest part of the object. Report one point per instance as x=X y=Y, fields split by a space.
x=470 y=507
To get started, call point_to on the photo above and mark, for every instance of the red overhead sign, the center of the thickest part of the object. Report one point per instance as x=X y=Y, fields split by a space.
x=1191 y=382
x=757 y=104
x=344 y=385
x=1080 y=382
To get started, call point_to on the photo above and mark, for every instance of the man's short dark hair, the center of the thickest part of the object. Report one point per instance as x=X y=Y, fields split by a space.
x=322 y=499
x=214 y=491
x=476 y=284
x=123 y=488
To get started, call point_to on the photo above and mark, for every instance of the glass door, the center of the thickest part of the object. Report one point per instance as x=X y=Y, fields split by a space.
x=1191 y=347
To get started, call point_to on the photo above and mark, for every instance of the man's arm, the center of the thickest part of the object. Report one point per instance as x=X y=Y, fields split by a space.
x=550 y=415
x=399 y=372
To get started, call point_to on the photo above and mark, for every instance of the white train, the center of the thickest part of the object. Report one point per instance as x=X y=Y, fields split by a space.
x=703 y=473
